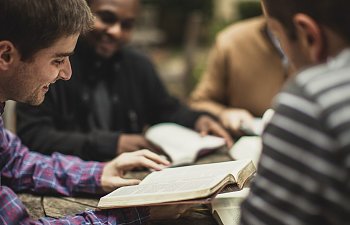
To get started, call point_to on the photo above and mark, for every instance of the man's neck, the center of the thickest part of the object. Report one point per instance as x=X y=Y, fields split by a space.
x=335 y=43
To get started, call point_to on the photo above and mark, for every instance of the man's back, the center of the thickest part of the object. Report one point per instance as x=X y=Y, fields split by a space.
x=245 y=70
x=303 y=175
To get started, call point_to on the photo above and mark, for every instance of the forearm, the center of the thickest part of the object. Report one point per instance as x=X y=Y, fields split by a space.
x=130 y=216
x=65 y=175
x=14 y=212
x=215 y=108
x=52 y=127
x=46 y=140
x=185 y=116
x=96 y=145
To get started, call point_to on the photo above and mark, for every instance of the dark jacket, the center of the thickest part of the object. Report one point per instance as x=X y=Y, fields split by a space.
x=77 y=119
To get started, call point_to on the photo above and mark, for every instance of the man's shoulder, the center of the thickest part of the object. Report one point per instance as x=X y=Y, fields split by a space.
x=324 y=86
x=327 y=77
x=241 y=28
x=244 y=36
x=131 y=53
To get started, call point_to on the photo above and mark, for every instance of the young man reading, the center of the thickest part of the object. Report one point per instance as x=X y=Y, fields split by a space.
x=36 y=39
x=304 y=170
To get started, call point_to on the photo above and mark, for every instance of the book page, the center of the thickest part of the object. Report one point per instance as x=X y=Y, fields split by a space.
x=247 y=148
x=228 y=216
x=149 y=194
x=187 y=177
x=230 y=199
x=191 y=173
x=227 y=206
x=257 y=126
x=254 y=128
x=181 y=144
x=165 y=188
x=178 y=155
x=181 y=183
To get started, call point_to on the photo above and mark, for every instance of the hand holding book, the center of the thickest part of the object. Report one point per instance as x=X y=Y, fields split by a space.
x=205 y=125
x=113 y=172
x=172 y=185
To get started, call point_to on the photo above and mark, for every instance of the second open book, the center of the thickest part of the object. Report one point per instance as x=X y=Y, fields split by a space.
x=182 y=145
x=179 y=184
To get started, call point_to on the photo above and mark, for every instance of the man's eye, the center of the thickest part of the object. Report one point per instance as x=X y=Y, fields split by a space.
x=59 y=62
x=127 y=24
x=107 y=17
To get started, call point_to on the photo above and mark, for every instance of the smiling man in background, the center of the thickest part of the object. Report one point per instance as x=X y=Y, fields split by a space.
x=115 y=93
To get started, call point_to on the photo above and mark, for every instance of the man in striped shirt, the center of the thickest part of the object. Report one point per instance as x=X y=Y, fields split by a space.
x=36 y=39
x=304 y=171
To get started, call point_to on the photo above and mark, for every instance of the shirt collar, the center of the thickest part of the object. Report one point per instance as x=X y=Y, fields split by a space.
x=2 y=106
x=340 y=60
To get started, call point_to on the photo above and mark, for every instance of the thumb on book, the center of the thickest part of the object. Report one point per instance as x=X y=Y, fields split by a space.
x=116 y=182
x=120 y=182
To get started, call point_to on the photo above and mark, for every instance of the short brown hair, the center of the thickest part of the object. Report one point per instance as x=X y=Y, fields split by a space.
x=332 y=13
x=32 y=25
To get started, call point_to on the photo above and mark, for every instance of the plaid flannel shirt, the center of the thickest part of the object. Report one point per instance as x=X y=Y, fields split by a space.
x=22 y=170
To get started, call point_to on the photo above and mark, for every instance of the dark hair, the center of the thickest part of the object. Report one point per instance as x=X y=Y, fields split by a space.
x=89 y=2
x=332 y=13
x=33 y=25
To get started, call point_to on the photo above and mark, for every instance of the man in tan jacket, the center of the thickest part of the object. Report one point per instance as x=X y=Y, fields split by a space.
x=245 y=71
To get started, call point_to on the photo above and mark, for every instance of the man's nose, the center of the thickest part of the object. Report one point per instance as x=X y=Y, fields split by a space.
x=115 y=29
x=66 y=72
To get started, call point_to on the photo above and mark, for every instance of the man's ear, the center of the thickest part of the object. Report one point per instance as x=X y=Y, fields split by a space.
x=7 y=51
x=311 y=37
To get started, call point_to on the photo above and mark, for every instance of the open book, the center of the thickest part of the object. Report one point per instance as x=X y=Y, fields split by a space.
x=247 y=147
x=226 y=206
x=180 y=184
x=182 y=145
x=254 y=128
x=257 y=125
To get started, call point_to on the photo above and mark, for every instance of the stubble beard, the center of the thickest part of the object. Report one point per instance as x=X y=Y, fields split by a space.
x=35 y=98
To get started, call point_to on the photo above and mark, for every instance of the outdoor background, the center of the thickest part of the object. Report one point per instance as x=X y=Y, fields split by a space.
x=178 y=34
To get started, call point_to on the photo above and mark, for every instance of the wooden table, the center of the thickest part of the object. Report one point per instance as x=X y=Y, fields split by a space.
x=39 y=206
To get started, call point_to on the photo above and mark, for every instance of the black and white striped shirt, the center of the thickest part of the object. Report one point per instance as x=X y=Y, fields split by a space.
x=304 y=171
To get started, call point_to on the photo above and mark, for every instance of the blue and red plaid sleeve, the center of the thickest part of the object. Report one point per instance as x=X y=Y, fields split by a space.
x=12 y=211
x=23 y=170
x=126 y=216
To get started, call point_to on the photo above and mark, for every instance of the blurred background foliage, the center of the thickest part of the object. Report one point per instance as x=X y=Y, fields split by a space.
x=248 y=9
x=188 y=29
x=173 y=16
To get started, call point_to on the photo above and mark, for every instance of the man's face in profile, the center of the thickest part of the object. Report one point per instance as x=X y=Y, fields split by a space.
x=29 y=81
x=113 y=25
x=292 y=48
